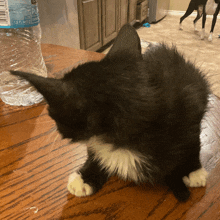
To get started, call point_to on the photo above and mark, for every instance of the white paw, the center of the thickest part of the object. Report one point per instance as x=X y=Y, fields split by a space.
x=202 y=34
x=196 y=179
x=181 y=27
x=195 y=27
x=77 y=187
x=210 y=37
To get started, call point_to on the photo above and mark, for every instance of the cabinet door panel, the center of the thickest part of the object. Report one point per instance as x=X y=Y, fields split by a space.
x=109 y=19
x=132 y=10
x=90 y=24
x=123 y=13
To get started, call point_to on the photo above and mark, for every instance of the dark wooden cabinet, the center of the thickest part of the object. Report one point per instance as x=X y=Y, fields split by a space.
x=132 y=10
x=84 y=24
x=110 y=17
x=123 y=13
x=90 y=28
x=100 y=20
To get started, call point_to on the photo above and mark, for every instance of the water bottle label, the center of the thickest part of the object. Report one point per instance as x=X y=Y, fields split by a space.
x=18 y=13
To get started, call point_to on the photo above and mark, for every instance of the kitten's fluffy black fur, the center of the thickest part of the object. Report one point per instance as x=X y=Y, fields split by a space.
x=151 y=104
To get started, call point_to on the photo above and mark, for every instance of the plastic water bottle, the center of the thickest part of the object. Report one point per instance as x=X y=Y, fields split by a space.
x=20 y=49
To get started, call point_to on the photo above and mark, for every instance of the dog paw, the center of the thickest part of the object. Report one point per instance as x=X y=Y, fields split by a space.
x=210 y=37
x=202 y=36
x=77 y=187
x=195 y=28
x=196 y=179
x=180 y=27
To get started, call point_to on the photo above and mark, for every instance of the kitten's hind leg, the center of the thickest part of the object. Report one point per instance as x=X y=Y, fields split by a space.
x=187 y=174
x=90 y=178
x=179 y=189
x=179 y=184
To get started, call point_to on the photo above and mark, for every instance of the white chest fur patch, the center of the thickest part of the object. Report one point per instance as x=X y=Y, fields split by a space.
x=125 y=163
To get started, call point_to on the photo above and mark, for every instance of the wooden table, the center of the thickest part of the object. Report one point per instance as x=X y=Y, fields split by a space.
x=35 y=164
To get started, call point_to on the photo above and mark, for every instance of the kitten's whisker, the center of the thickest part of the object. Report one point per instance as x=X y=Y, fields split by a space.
x=50 y=136
x=52 y=145
x=56 y=139
x=212 y=75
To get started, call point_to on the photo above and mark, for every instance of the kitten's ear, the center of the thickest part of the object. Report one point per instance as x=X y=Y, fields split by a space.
x=126 y=41
x=52 y=89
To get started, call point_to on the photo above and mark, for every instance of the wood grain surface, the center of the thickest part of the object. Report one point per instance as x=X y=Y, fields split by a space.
x=35 y=163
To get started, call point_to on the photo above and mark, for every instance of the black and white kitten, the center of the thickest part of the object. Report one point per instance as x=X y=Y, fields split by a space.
x=138 y=114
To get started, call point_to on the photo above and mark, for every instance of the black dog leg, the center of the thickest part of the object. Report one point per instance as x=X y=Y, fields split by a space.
x=203 y=24
x=214 y=22
x=188 y=174
x=199 y=15
x=192 y=6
